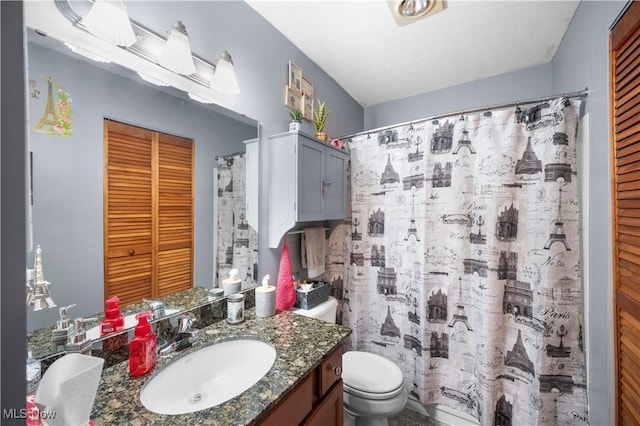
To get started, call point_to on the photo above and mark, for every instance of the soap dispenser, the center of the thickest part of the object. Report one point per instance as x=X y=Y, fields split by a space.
x=142 y=349
x=113 y=320
x=78 y=341
x=63 y=328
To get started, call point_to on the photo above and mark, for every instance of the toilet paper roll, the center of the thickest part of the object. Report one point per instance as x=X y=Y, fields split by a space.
x=265 y=301
x=231 y=287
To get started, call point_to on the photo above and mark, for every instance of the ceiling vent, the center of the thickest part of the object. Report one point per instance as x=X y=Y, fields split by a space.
x=408 y=11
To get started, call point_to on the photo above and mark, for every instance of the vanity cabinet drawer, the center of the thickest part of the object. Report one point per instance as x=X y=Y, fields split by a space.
x=294 y=407
x=317 y=400
x=330 y=371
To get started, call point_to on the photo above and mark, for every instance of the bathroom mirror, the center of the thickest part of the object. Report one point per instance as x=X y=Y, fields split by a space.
x=65 y=174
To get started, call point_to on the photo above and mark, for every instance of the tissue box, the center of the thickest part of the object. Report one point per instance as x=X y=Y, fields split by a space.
x=318 y=294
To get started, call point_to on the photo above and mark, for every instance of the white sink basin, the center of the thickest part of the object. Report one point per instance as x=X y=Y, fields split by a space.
x=208 y=377
x=130 y=321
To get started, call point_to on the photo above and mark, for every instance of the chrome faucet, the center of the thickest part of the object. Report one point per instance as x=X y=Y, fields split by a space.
x=156 y=307
x=184 y=335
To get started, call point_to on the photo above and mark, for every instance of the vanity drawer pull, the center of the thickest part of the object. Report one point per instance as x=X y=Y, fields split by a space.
x=338 y=370
x=132 y=252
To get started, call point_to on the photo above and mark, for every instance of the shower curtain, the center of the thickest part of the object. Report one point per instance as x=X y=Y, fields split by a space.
x=462 y=259
x=237 y=242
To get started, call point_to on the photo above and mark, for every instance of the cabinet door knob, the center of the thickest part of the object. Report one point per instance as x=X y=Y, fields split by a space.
x=338 y=370
x=132 y=252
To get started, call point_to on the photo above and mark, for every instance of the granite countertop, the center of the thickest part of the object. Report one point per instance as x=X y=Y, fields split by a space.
x=41 y=345
x=300 y=344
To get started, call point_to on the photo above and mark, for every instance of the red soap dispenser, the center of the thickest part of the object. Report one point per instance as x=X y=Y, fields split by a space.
x=113 y=320
x=142 y=349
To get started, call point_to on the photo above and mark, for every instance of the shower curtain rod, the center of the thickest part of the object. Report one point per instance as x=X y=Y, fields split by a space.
x=580 y=94
x=230 y=155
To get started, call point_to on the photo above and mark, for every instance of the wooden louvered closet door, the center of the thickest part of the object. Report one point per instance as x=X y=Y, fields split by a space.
x=148 y=213
x=624 y=44
x=175 y=214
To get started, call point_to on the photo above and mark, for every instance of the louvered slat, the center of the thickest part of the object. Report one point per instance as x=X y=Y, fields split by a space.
x=624 y=56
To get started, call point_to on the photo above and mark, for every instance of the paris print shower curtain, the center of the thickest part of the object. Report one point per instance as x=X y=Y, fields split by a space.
x=464 y=261
x=237 y=241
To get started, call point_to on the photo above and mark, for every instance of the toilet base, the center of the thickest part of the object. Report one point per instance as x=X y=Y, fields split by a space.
x=353 y=420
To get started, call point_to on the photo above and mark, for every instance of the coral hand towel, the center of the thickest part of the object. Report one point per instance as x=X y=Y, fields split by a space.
x=285 y=291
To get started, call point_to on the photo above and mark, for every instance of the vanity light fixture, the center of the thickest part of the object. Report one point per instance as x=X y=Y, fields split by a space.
x=86 y=53
x=200 y=99
x=173 y=54
x=152 y=80
x=176 y=55
x=224 y=79
x=109 y=20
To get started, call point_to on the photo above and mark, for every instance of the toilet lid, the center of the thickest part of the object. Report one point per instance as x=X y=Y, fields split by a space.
x=370 y=372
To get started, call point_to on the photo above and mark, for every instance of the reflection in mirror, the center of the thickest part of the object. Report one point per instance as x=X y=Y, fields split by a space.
x=69 y=98
x=236 y=230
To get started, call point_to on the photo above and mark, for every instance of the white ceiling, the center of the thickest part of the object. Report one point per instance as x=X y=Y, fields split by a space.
x=359 y=44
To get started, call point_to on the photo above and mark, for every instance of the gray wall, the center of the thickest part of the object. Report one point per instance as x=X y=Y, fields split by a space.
x=581 y=61
x=261 y=56
x=525 y=84
x=68 y=173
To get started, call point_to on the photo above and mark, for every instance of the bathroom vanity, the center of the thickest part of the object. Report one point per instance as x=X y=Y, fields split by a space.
x=303 y=386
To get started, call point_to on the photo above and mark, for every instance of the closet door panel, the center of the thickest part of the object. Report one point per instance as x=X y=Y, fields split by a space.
x=173 y=275
x=130 y=278
x=625 y=122
x=148 y=204
x=175 y=214
x=128 y=212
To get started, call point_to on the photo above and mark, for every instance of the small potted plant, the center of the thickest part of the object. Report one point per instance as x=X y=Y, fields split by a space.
x=320 y=115
x=296 y=120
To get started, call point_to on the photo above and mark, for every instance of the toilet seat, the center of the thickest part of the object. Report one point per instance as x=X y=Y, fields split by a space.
x=370 y=376
x=372 y=396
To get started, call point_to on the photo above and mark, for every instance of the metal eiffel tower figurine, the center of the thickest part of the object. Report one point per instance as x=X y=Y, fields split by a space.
x=39 y=296
x=558 y=235
x=460 y=315
x=50 y=115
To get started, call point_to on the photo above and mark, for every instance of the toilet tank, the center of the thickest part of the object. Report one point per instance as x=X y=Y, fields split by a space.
x=325 y=311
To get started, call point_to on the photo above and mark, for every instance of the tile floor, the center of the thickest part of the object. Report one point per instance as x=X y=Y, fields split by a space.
x=409 y=417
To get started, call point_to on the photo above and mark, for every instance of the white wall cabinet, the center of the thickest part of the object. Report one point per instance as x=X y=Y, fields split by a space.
x=308 y=182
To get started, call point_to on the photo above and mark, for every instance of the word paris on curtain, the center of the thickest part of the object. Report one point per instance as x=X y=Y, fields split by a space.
x=463 y=256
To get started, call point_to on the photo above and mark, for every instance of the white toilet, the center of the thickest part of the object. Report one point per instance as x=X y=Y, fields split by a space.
x=373 y=386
